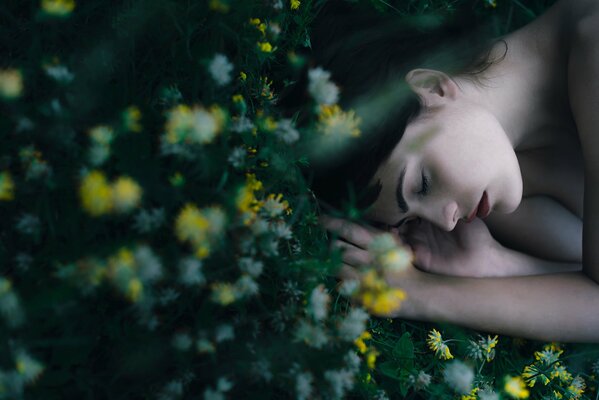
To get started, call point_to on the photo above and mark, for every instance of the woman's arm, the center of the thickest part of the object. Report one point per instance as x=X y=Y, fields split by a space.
x=555 y=307
x=583 y=84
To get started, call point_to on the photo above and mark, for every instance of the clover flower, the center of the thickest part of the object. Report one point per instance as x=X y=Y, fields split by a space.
x=487 y=394
x=131 y=118
x=58 y=8
x=194 y=125
x=340 y=381
x=312 y=335
x=10 y=305
x=420 y=381
x=303 y=385
x=146 y=221
x=576 y=388
x=246 y=286
x=11 y=84
x=318 y=303
x=377 y=296
x=220 y=69
x=436 y=343
x=532 y=373
x=181 y=341
x=274 y=205
x=96 y=194
x=126 y=194
x=388 y=255
x=102 y=137
x=515 y=387
x=337 y=124
x=294 y=4
x=28 y=367
x=223 y=293
x=458 y=376
x=252 y=267
x=190 y=272
x=560 y=372
x=223 y=333
x=286 y=132
x=149 y=267
x=322 y=90
x=58 y=72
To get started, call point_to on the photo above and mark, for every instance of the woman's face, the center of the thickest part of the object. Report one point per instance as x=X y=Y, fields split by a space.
x=448 y=159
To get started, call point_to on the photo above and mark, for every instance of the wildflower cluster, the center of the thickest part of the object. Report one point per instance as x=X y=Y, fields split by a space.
x=99 y=197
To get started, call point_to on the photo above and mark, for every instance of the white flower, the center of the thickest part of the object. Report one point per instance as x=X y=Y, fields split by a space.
x=251 y=266
x=459 y=376
x=348 y=287
x=261 y=369
x=29 y=368
x=59 y=73
x=313 y=336
x=237 y=157
x=487 y=394
x=353 y=361
x=190 y=272
x=150 y=267
x=10 y=305
x=205 y=126
x=388 y=254
x=224 y=332
x=173 y=390
x=303 y=385
x=281 y=230
x=182 y=341
x=321 y=88
x=28 y=224
x=247 y=286
x=353 y=324
x=147 y=221
x=168 y=295
x=242 y=124
x=318 y=303
x=220 y=69
x=421 y=381
x=277 y=5
x=286 y=132
x=23 y=261
x=340 y=382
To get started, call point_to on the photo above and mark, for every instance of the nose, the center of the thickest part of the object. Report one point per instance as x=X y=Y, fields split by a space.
x=449 y=216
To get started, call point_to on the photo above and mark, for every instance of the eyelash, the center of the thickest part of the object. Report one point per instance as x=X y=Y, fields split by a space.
x=425 y=186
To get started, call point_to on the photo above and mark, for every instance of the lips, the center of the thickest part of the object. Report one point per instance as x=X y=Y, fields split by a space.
x=482 y=210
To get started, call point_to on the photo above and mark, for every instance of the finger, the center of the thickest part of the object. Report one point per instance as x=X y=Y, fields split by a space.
x=348 y=272
x=353 y=255
x=352 y=232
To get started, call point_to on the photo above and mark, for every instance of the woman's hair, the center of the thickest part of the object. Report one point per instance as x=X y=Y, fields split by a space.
x=368 y=54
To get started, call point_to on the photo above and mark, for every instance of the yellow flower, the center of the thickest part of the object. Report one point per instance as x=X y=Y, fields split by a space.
x=359 y=342
x=7 y=186
x=265 y=47
x=11 y=83
x=548 y=356
x=243 y=76
x=532 y=373
x=576 y=388
x=384 y=302
x=134 y=290
x=437 y=344
x=191 y=225
x=560 y=371
x=126 y=194
x=131 y=118
x=488 y=345
x=219 y=6
x=96 y=194
x=471 y=395
x=59 y=8
x=371 y=358
x=102 y=134
x=515 y=387
x=194 y=125
x=223 y=293
x=237 y=98
x=332 y=121
x=295 y=4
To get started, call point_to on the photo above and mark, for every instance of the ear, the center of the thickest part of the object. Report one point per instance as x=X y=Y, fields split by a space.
x=435 y=88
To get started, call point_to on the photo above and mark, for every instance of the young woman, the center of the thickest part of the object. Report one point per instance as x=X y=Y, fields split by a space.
x=495 y=187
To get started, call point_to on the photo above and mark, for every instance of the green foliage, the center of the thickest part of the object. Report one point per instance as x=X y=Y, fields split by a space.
x=233 y=299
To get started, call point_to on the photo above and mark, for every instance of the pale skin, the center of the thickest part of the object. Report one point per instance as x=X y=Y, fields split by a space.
x=529 y=138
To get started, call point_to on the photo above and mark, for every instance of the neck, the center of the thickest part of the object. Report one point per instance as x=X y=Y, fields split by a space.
x=510 y=90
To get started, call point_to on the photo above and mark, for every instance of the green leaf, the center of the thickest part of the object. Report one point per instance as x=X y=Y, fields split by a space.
x=404 y=348
x=390 y=369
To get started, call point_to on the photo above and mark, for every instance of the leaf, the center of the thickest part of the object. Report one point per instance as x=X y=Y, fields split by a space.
x=390 y=369
x=403 y=351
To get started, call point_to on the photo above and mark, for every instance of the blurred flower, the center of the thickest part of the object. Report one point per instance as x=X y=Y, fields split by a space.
x=274 y=205
x=242 y=124
x=101 y=136
x=246 y=286
x=222 y=386
x=515 y=387
x=458 y=376
x=303 y=385
x=277 y=5
x=533 y=372
x=29 y=224
x=177 y=179
x=576 y=388
x=194 y=125
x=377 y=296
x=487 y=394
x=548 y=356
x=29 y=368
x=340 y=381
x=560 y=372
x=11 y=84
x=6 y=186
x=10 y=305
x=261 y=26
x=349 y=287
x=23 y=261
x=58 y=8
x=420 y=381
x=294 y=4
x=237 y=157
x=223 y=333
x=312 y=335
x=353 y=324
x=59 y=73
x=286 y=132
x=146 y=221
x=335 y=123
x=221 y=6
x=220 y=69
x=471 y=395
x=149 y=267
x=388 y=254
x=190 y=272
x=436 y=343
x=201 y=228
x=318 y=303
x=274 y=28
x=126 y=194
x=33 y=163
x=96 y=194
x=181 y=341
x=359 y=342
x=483 y=349
x=223 y=293
x=252 y=267
x=131 y=118
x=322 y=90
x=242 y=76
x=265 y=47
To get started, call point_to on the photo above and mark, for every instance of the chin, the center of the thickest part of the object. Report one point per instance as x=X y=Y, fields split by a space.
x=508 y=204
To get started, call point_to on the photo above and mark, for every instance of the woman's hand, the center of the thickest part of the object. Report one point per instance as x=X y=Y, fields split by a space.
x=468 y=250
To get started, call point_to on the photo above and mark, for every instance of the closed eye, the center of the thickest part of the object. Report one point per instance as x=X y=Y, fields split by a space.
x=425 y=186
